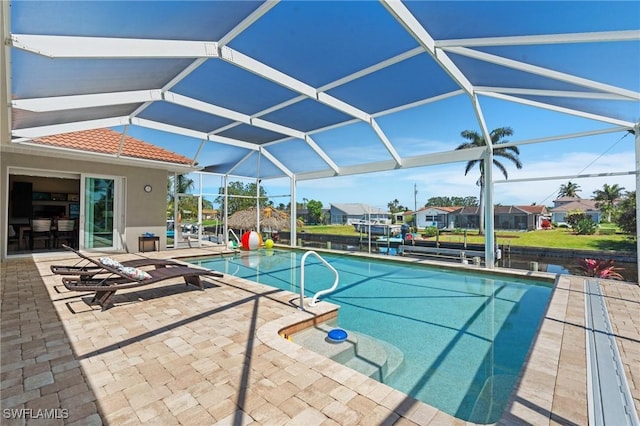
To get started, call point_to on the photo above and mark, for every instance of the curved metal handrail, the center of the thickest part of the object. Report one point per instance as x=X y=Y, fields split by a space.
x=315 y=297
x=236 y=237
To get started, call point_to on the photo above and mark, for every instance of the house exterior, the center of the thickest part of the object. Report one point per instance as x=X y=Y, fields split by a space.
x=346 y=214
x=563 y=205
x=439 y=217
x=523 y=218
x=505 y=217
x=113 y=186
x=210 y=214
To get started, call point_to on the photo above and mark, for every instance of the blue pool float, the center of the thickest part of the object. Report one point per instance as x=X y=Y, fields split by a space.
x=337 y=335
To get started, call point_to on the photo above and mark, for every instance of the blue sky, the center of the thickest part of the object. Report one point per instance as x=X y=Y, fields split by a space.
x=436 y=127
x=322 y=42
x=612 y=152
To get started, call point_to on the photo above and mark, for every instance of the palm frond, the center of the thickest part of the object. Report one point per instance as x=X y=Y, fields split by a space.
x=472 y=135
x=501 y=167
x=470 y=165
x=509 y=156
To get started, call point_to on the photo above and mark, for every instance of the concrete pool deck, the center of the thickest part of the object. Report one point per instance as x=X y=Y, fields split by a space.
x=169 y=354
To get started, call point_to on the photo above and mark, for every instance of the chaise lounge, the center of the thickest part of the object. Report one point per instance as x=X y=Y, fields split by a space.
x=129 y=277
x=86 y=267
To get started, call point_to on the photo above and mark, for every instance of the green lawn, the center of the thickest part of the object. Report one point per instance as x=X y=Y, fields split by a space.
x=556 y=238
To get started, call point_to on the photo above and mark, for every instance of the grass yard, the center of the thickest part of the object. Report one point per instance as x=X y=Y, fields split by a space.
x=556 y=238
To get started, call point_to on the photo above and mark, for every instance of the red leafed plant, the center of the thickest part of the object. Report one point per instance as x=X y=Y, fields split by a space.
x=600 y=269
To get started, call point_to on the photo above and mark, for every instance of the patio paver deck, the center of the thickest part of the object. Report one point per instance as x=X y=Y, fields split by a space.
x=169 y=354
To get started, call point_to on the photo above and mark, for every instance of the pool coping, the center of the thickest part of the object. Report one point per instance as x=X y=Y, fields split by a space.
x=551 y=388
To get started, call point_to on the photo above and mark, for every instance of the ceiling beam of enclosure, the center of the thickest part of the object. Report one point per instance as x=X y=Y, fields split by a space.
x=215 y=122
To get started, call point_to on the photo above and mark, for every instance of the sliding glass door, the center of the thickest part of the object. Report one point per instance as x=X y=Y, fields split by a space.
x=100 y=226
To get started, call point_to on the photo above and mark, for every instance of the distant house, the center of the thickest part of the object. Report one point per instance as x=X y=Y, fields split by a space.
x=520 y=217
x=440 y=217
x=303 y=214
x=564 y=205
x=398 y=217
x=505 y=217
x=209 y=214
x=346 y=214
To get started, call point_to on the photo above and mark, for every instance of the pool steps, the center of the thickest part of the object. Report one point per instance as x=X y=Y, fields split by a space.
x=365 y=354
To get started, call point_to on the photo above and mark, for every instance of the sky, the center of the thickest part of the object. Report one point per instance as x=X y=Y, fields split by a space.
x=607 y=153
x=378 y=189
x=436 y=127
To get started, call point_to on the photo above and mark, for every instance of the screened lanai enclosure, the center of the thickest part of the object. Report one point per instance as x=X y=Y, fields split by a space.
x=310 y=90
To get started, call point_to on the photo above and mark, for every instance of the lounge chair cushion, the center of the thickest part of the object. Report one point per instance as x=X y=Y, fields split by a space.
x=107 y=261
x=135 y=273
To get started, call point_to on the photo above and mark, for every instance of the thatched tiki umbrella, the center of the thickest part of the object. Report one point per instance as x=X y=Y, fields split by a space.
x=270 y=219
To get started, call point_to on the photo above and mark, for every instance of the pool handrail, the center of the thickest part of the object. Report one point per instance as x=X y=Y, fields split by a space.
x=235 y=236
x=315 y=297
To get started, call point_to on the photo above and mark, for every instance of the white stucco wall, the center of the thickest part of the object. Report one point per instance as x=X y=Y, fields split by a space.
x=143 y=212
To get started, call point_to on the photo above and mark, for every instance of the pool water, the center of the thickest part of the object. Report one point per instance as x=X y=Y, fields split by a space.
x=464 y=336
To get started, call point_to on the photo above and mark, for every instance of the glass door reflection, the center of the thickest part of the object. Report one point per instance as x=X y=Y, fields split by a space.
x=99 y=197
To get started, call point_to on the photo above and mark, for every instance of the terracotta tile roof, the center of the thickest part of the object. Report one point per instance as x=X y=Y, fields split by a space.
x=107 y=141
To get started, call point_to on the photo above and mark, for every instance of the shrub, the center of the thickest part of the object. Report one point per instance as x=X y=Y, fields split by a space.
x=430 y=232
x=599 y=269
x=575 y=216
x=626 y=219
x=585 y=226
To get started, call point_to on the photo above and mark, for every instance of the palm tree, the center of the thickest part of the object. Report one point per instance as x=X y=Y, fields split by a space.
x=606 y=197
x=509 y=152
x=570 y=189
x=184 y=185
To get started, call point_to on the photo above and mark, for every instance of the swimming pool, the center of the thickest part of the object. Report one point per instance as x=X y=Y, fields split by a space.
x=464 y=336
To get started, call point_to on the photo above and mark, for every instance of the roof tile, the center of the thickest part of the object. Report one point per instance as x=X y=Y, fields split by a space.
x=107 y=141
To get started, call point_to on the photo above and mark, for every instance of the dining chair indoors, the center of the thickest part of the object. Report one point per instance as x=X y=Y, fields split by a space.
x=40 y=231
x=65 y=232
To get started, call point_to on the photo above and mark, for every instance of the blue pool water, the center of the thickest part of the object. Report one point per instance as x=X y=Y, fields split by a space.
x=464 y=336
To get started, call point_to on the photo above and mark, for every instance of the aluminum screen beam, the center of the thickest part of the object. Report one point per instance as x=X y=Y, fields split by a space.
x=60 y=103
x=545 y=72
x=407 y=20
x=595 y=37
x=40 y=131
x=555 y=108
x=407 y=162
x=106 y=47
